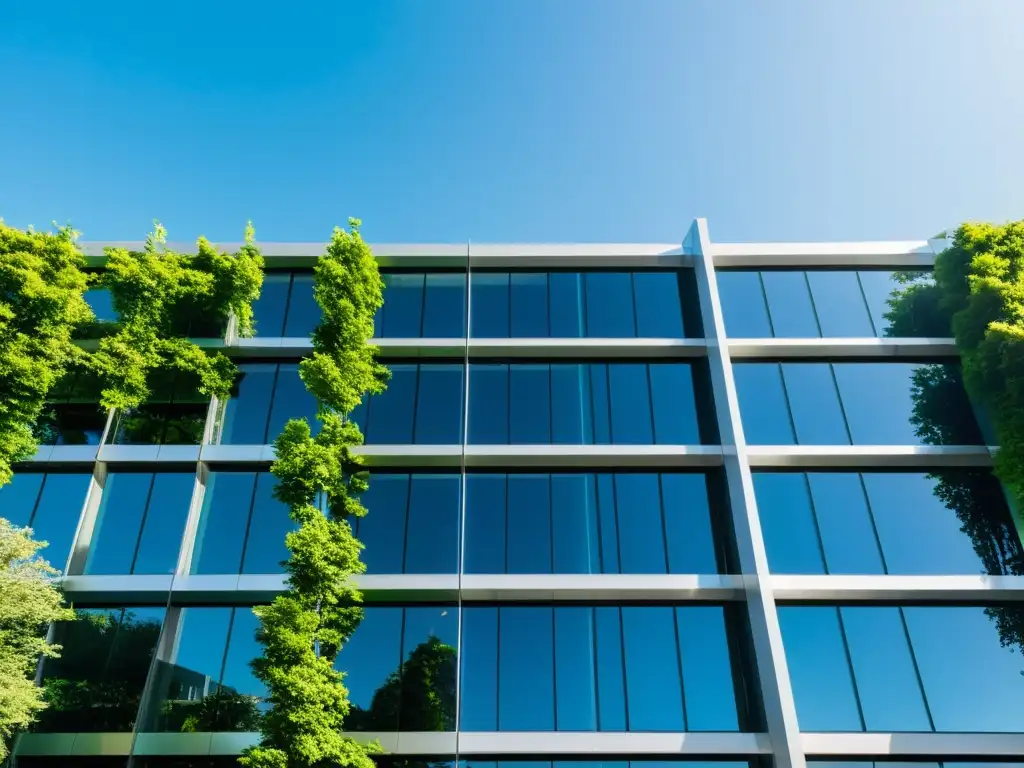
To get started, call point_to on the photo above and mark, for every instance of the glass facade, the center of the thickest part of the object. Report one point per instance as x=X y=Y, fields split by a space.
x=560 y=544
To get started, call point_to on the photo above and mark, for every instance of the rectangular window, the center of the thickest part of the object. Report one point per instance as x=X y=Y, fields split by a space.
x=586 y=403
x=72 y=414
x=174 y=414
x=531 y=668
x=586 y=523
x=51 y=505
x=645 y=304
x=892 y=403
x=96 y=684
x=826 y=303
x=140 y=523
x=905 y=668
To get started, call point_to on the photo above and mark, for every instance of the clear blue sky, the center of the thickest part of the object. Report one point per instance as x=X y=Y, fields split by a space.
x=512 y=120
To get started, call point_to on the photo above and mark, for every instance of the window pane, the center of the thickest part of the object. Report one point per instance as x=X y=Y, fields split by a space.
x=291 y=401
x=951 y=522
x=18 y=498
x=641 y=533
x=268 y=525
x=743 y=305
x=479 y=678
x=844 y=521
x=576 y=693
x=242 y=649
x=890 y=695
x=96 y=684
x=654 y=693
x=610 y=305
x=675 y=404
x=970 y=665
x=164 y=524
x=529 y=403
x=269 y=309
x=575 y=535
x=763 y=404
x=817 y=415
x=567 y=299
x=391 y=414
x=840 y=304
x=489 y=305
x=439 y=407
x=102 y=304
x=403 y=306
x=427 y=675
x=611 y=693
x=57 y=513
x=529 y=305
x=485 y=524
x=432 y=534
x=373 y=653
x=608 y=523
x=631 y=404
x=383 y=531
x=707 y=669
x=789 y=303
x=659 y=311
x=303 y=311
x=444 y=315
x=118 y=523
x=488 y=404
x=878 y=287
x=529 y=524
x=248 y=408
x=600 y=404
x=688 y=533
x=788 y=523
x=819 y=669
x=571 y=405
x=526 y=698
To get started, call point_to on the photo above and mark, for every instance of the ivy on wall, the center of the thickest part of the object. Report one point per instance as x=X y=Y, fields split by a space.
x=319 y=477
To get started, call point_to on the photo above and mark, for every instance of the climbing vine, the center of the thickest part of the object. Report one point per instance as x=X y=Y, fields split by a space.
x=41 y=303
x=165 y=299
x=320 y=479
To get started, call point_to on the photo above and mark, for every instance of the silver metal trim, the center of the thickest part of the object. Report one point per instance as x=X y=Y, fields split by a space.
x=855 y=457
x=968 y=589
x=914 y=745
x=885 y=348
x=914 y=253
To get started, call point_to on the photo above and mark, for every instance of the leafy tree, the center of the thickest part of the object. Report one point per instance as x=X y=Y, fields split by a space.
x=320 y=479
x=41 y=302
x=28 y=604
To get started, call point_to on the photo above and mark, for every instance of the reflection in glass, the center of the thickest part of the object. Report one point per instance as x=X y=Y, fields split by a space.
x=96 y=684
x=597 y=668
x=140 y=523
x=72 y=414
x=50 y=504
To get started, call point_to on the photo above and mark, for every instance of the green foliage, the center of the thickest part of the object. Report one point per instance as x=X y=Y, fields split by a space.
x=29 y=601
x=41 y=287
x=163 y=298
x=320 y=479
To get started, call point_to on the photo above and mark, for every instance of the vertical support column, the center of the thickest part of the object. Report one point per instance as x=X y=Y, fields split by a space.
x=468 y=308
x=769 y=658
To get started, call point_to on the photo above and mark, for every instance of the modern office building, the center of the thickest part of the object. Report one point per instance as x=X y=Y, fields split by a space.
x=689 y=503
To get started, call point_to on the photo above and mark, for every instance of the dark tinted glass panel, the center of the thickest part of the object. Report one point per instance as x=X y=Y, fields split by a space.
x=675 y=404
x=630 y=394
x=489 y=305
x=653 y=680
x=608 y=669
x=707 y=669
x=444 y=311
x=528 y=545
x=529 y=305
x=641 y=524
x=489 y=404
x=223 y=522
x=439 y=404
x=688 y=529
x=248 y=408
x=479 y=678
x=659 y=311
x=270 y=308
x=529 y=402
x=102 y=305
x=383 y=530
x=839 y=303
x=526 y=675
x=402 y=313
x=140 y=523
x=788 y=522
x=291 y=401
x=269 y=523
x=51 y=505
x=743 y=305
x=72 y=414
x=422 y=404
x=575 y=533
x=568 y=302
x=96 y=685
x=610 y=305
x=486 y=522
x=400 y=670
x=763 y=404
x=303 y=311
x=789 y=304
x=432 y=528
x=814 y=403
x=575 y=685
x=844 y=521
x=878 y=289
x=572 y=416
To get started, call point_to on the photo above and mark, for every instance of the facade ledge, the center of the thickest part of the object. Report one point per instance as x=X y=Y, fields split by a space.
x=867 y=456
x=974 y=589
x=913 y=253
x=831 y=348
x=914 y=745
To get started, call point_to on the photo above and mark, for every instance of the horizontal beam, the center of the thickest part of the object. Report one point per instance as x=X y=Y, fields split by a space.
x=973 y=589
x=872 y=348
x=868 y=456
x=913 y=253
x=949 y=746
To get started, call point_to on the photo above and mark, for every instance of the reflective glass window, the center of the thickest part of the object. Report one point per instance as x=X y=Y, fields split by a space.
x=291 y=401
x=814 y=403
x=432 y=526
x=743 y=304
x=422 y=404
x=839 y=303
x=101 y=303
x=400 y=669
x=610 y=305
x=763 y=404
x=659 y=311
x=174 y=414
x=51 y=505
x=597 y=668
x=206 y=685
x=72 y=414
x=444 y=310
x=568 y=301
x=489 y=311
x=878 y=286
x=248 y=408
x=402 y=313
x=529 y=305
x=787 y=520
x=847 y=531
x=789 y=304
x=140 y=523
x=589 y=403
x=270 y=308
x=303 y=311
x=575 y=531
x=96 y=683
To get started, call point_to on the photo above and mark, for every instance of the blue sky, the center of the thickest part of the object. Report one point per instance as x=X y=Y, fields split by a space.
x=513 y=120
